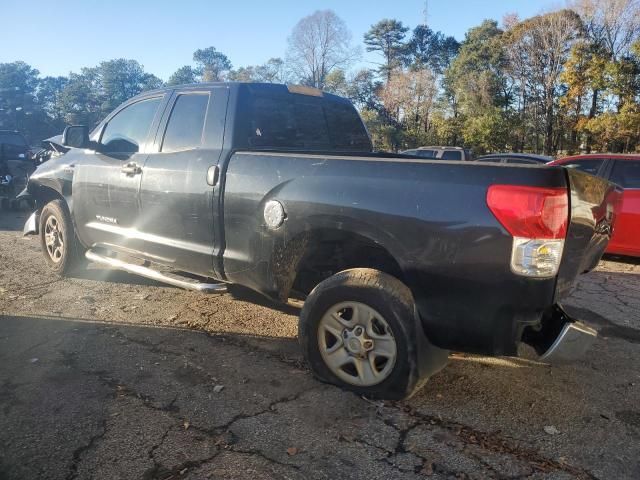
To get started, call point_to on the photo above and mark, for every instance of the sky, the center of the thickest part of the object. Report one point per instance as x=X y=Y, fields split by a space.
x=58 y=37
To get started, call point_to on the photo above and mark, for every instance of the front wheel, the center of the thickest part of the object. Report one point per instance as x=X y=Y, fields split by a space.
x=61 y=248
x=357 y=330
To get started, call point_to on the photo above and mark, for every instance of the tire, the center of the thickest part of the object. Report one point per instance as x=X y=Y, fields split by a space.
x=383 y=296
x=62 y=251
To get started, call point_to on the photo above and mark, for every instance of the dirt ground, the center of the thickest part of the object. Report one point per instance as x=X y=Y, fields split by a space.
x=110 y=376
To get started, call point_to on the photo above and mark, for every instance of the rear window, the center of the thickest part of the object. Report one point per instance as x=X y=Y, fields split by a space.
x=591 y=166
x=451 y=155
x=12 y=138
x=301 y=122
x=626 y=174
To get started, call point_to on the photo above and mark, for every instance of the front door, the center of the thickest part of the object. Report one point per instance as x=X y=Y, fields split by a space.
x=176 y=193
x=106 y=181
x=626 y=232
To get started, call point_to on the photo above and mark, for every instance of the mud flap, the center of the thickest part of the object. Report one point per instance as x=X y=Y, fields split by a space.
x=430 y=359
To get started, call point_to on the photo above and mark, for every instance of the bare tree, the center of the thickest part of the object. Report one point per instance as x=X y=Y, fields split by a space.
x=542 y=44
x=318 y=44
x=411 y=96
x=613 y=25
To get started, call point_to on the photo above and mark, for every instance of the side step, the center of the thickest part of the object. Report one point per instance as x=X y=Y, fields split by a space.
x=147 y=272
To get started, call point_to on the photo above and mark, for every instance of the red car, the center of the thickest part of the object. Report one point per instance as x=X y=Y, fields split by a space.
x=625 y=171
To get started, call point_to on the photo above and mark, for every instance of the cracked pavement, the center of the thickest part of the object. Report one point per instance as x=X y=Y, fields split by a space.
x=111 y=376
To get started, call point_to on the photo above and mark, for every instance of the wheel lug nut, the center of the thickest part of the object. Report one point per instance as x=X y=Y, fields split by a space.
x=358 y=331
x=368 y=344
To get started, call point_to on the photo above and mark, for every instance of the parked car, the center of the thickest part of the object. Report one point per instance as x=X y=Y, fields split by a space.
x=16 y=159
x=623 y=170
x=516 y=158
x=276 y=188
x=441 y=153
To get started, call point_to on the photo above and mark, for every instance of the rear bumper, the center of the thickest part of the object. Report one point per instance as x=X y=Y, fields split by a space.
x=561 y=339
x=571 y=344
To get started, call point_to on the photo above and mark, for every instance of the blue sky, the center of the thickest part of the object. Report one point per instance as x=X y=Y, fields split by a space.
x=57 y=37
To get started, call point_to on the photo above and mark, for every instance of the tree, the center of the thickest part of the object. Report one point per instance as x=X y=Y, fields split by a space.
x=18 y=83
x=476 y=82
x=271 y=72
x=79 y=101
x=184 y=75
x=387 y=37
x=96 y=91
x=611 y=28
x=541 y=46
x=120 y=79
x=612 y=25
x=430 y=49
x=363 y=89
x=212 y=65
x=318 y=44
x=336 y=82
x=411 y=97
x=47 y=94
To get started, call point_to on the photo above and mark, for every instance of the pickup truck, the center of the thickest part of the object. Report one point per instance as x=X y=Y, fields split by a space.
x=277 y=188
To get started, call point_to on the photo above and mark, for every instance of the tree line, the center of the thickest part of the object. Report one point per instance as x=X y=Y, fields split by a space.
x=560 y=82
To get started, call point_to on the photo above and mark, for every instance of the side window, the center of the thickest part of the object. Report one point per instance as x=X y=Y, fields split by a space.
x=490 y=159
x=451 y=155
x=186 y=122
x=591 y=166
x=426 y=153
x=626 y=173
x=127 y=131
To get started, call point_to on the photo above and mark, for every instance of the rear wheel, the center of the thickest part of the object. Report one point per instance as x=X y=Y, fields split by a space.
x=357 y=330
x=61 y=248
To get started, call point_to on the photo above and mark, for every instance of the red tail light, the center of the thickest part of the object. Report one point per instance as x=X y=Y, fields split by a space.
x=530 y=212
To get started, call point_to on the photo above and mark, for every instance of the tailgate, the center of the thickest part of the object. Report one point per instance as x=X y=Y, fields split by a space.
x=594 y=203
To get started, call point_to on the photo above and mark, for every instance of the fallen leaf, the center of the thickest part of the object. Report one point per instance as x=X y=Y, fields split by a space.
x=218 y=388
x=186 y=425
x=292 y=451
x=551 y=430
x=33 y=360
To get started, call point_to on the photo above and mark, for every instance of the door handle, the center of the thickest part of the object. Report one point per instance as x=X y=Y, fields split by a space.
x=131 y=169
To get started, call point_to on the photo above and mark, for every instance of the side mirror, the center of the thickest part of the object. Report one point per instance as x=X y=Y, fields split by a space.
x=76 y=136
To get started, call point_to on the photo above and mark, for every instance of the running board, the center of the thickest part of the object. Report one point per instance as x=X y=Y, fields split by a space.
x=147 y=272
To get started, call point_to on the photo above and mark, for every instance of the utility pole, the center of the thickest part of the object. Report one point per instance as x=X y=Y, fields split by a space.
x=425 y=12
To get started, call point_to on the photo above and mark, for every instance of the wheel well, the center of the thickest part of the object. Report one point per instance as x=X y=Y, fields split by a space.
x=44 y=195
x=331 y=251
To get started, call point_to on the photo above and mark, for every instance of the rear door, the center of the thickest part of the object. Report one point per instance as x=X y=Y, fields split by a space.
x=626 y=234
x=178 y=181
x=106 y=181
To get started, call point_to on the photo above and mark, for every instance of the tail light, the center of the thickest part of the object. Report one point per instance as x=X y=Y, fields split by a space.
x=537 y=218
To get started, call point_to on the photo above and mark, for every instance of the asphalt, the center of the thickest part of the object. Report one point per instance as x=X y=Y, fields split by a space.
x=109 y=376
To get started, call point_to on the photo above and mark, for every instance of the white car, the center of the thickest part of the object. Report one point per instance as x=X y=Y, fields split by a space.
x=441 y=153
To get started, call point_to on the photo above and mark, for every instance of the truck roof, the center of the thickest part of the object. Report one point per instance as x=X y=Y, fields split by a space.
x=255 y=87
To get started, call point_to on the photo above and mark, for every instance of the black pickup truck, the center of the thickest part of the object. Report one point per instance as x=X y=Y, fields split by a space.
x=277 y=188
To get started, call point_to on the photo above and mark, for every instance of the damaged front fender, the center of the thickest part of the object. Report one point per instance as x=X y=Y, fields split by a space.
x=31 y=225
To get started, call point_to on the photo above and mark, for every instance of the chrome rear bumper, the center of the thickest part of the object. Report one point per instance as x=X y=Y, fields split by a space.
x=560 y=338
x=571 y=344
